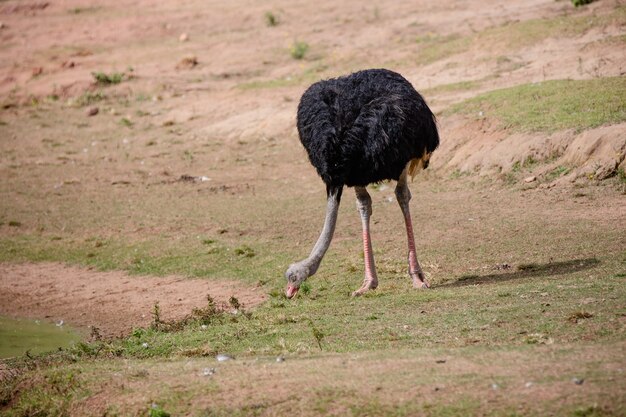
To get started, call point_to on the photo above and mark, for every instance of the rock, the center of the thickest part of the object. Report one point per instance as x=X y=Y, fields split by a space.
x=495 y=386
x=528 y=384
x=280 y=359
x=578 y=381
x=92 y=111
x=223 y=358
x=183 y=37
x=2 y=25
x=208 y=371
x=530 y=179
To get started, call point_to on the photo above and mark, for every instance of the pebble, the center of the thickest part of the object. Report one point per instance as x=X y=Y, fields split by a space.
x=2 y=25
x=578 y=381
x=92 y=111
x=530 y=179
x=183 y=37
x=223 y=358
x=528 y=384
x=208 y=371
x=145 y=345
x=280 y=359
x=60 y=323
x=495 y=386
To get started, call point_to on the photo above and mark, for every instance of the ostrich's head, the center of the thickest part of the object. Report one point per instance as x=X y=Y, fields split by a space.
x=296 y=274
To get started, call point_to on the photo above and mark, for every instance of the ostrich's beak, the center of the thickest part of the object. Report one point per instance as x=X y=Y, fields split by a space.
x=291 y=291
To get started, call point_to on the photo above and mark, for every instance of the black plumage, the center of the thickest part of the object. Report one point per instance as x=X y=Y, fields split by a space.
x=365 y=127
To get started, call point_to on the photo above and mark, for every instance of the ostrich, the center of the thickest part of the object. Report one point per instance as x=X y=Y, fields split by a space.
x=359 y=129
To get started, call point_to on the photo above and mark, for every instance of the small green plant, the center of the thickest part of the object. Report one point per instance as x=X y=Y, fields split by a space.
x=89 y=97
x=578 y=3
x=270 y=19
x=299 y=49
x=245 y=251
x=156 y=316
x=126 y=122
x=103 y=78
x=157 y=411
x=557 y=172
x=305 y=287
x=317 y=334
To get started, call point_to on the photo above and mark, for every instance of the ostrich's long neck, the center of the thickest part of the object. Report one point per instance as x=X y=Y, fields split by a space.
x=323 y=242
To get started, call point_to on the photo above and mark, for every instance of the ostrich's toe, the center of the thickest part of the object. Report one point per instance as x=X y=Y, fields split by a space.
x=367 y=285
x=419 y=281
x=421 y=284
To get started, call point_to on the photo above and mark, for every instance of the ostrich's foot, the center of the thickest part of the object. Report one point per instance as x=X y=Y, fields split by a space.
x=368 y=284
x=419 y=280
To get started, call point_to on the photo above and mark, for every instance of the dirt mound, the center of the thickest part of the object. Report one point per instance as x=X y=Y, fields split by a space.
x=115 y=302
x=480 y=147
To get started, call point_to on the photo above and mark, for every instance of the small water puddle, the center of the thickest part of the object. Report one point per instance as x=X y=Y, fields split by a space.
x=37 y=336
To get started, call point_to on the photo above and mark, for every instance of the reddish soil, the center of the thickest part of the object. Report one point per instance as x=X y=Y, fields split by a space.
x=114 y=302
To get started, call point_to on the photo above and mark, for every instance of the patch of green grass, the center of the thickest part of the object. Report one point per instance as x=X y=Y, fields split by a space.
x=270 y=19
x=458 y=86
x=103 y=78
x=309 y=75
x=578 y=3
x=510 y=36
x=52 y=393
x=299 y=49
x=553 y=105
x=89 y=98
x=556 y=173
x=124 y=121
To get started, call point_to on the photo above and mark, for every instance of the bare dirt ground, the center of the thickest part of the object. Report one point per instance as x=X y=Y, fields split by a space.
x=114 y=302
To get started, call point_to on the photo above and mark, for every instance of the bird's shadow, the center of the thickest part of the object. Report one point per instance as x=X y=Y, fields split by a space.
x=530 y=270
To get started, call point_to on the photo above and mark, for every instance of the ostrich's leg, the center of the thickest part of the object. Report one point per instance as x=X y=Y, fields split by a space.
x=403 y=194
x=364 y=205
x=300 y=271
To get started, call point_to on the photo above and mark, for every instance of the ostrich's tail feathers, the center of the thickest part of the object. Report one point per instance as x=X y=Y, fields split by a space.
x=417 y=164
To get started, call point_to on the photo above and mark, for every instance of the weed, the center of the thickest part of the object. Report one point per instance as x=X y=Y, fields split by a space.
x=578 y=3
x=234 y=303
x=621 y=175
x=245 y=251
x=126 y=122
x=89 y=98
x=579 y=315
x=305 y=287
x=270 y=19
x=14 y=223
x=299 y=49
x=156 y=316
x=557 y=172
x=157 y=411
x=317 y=334
x=103 y=78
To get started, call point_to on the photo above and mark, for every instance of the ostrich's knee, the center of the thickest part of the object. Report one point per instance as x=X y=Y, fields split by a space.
x=363 y=202
x=403 y=194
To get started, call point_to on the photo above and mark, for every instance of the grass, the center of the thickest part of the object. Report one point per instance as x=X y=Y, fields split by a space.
x=103 y=78
x=299 y=49
x=510 y=36
x=270 y=19
x=553 y=105
x=310 y=74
